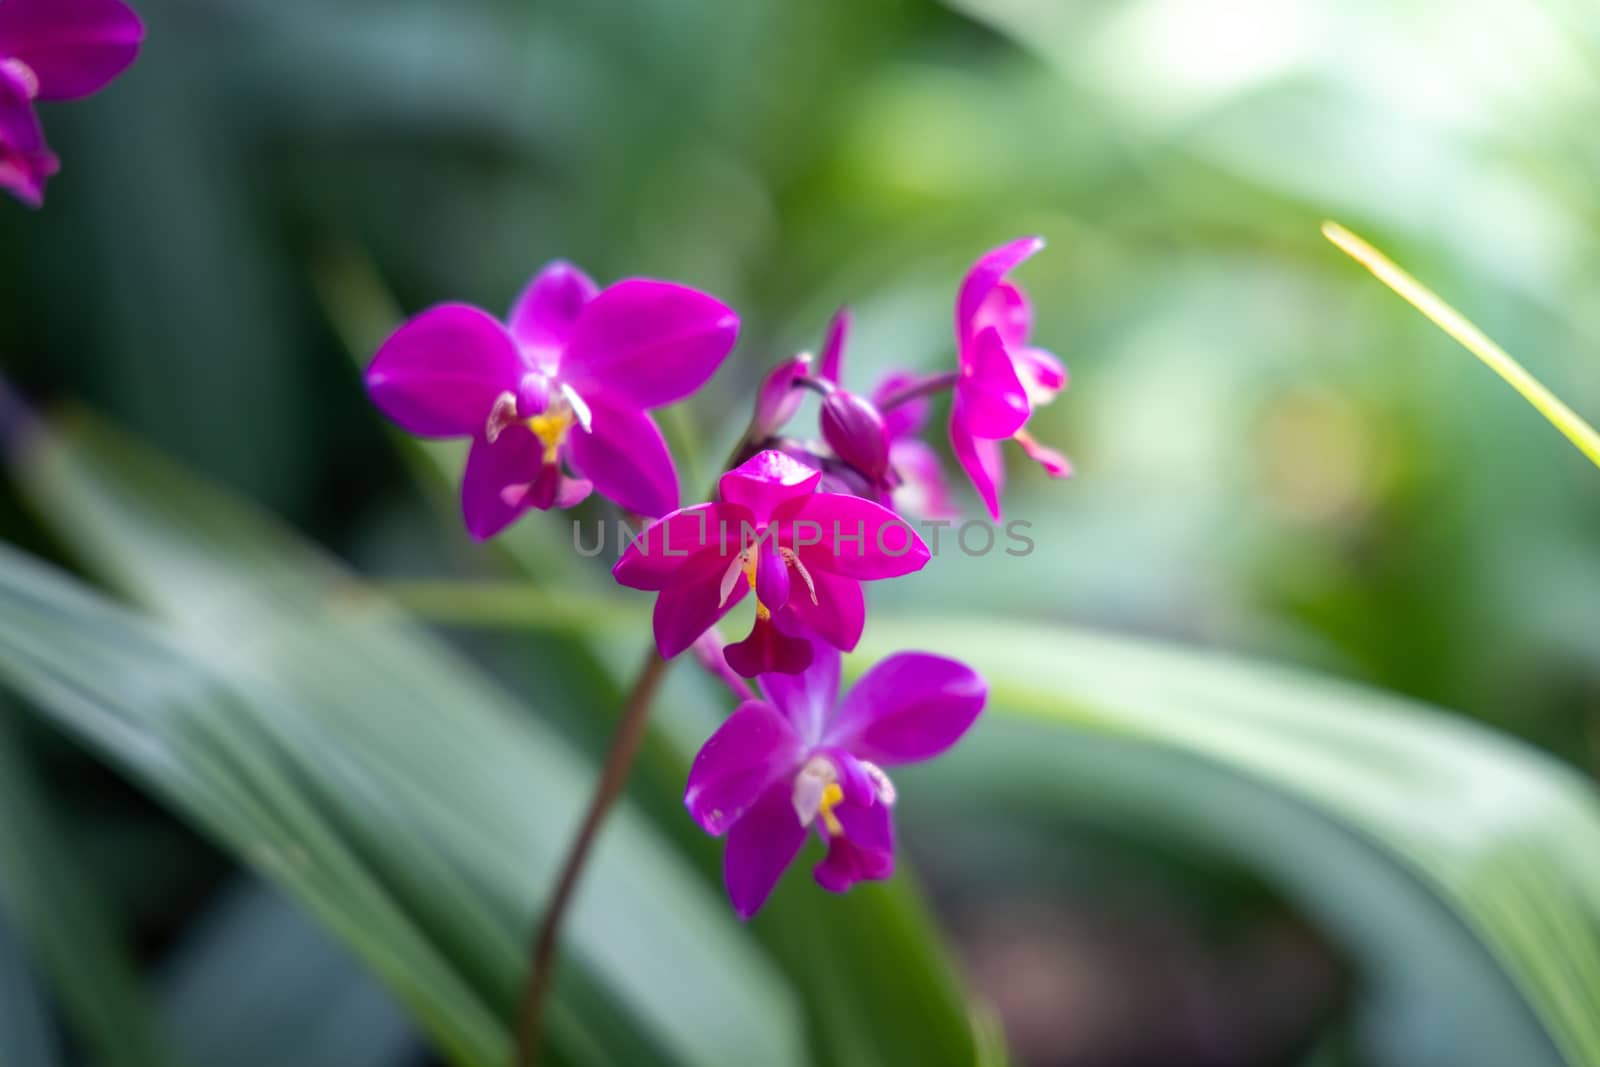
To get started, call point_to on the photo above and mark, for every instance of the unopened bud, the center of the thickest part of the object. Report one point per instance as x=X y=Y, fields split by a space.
x=854 y=430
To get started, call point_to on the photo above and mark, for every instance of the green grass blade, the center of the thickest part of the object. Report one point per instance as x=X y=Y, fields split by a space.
x=1474 y=340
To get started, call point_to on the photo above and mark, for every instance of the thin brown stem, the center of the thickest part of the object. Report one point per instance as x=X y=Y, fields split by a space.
x=613 y=778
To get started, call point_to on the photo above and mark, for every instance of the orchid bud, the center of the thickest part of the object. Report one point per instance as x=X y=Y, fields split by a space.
x=779 y=397
x=854 y=430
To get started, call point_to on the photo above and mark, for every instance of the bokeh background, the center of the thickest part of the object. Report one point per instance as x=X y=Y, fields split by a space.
x=1276 y=457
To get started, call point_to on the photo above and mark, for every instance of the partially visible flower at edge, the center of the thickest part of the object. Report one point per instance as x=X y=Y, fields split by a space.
x=800 y=758
x=53 y=50
x=779 y=397
x=569 y=376
x=803 y=553
x=1001 y=378
x=919 y=485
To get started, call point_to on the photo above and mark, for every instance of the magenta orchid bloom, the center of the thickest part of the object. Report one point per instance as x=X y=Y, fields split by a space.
x=570 y=376
x=803 y=553
x=920 y=487
x=801 y=758
x=1001 y=379
x=53 y=50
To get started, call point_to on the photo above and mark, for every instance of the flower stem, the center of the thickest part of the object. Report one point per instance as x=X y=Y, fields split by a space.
x=928 y=386
x=613 y=777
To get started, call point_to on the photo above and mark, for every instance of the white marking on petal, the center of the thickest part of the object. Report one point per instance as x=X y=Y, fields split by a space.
x=815 y=777
x=502 y=415
x=881 y=786
x=579 y=407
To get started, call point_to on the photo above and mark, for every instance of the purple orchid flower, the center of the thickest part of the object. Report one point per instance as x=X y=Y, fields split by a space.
x=1002 y=379
x=570 y=376
x=801 y=758
x=53 y=50
x=918 y=486
x=804 y=553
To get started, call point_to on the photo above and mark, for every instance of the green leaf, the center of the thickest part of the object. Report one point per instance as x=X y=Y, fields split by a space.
x=27 y=1033
x=351 y=758
x=1459 y=869
x=256 y=984
x=60 y=913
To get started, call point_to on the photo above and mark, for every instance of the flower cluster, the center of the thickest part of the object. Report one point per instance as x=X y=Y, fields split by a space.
x=556 y=401
x=53 y=50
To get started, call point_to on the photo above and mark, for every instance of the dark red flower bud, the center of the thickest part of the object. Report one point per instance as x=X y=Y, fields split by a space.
x=854 y=430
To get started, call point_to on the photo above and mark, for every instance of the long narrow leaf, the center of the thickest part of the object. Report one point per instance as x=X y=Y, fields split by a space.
x=1459 y=868
x=354 y=760
x=65 y=921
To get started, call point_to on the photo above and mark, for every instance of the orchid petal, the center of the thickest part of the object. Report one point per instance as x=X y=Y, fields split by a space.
x=807 y=698
x=992 y=397
x=779 y=396
x=854 y=781
x=981 y=280
x=909 y=707
x=648 y=343
x=768 y=650
x=905 y=419
x=74 y=47
x=837 y=616
x=440 y=374
x=1009 y=311
x=766 y=480
x=26 y=162
x=761 y=845
x=1043 y=376
x=513 y=461
x=550 y=489
x=543 y=318
x=923 y=490
x=626 y=457
x=687 y=545
x=751 y=751
x=853 y=537
x=831 y=363
x=684 y=612
x=864 y=852
x=981 y=459
x=1054 y=463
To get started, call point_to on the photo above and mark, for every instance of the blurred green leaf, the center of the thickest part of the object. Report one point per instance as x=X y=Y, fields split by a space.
x=27 y=1033
x=351 y=758
x=1458 y=868
x=369 y=744
x=256 y=984
x=61 y=915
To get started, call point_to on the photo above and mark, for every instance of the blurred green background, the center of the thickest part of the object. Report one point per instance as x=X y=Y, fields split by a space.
x=1276 y=457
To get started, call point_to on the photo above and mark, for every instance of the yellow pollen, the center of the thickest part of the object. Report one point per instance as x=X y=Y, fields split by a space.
x=551 y=428
x=832 y=797
x=762 y=611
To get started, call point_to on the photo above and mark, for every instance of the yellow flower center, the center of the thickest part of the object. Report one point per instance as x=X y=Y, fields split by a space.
x=551 y=428
x=762 y=611
x=832 y=797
